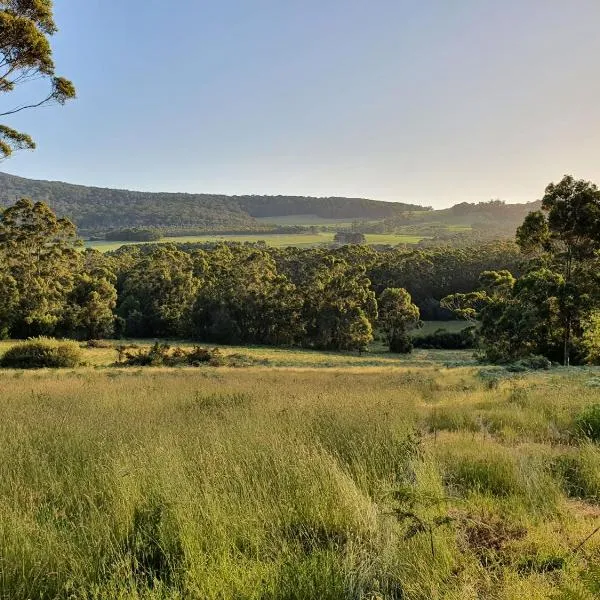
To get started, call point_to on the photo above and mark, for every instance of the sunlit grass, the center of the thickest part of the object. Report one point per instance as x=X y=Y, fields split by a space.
x=384 y=481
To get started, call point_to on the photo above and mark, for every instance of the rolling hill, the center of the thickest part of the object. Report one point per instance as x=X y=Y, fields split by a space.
x=97 y=210
x=101 y=209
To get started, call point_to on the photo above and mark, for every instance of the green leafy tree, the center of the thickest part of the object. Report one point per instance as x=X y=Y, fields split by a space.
x=157 y=293
x=25 y=54
x=93 y=299
x=9 y=293
x=245 y=299
x=397 y=316
x=338 y=301
x=565 y=236
x=42 y=257
x=487 y=305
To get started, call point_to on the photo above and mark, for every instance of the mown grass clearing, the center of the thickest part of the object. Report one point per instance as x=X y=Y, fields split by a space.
x=405 y=482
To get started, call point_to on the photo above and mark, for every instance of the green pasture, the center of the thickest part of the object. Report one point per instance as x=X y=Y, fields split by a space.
x=304 y=240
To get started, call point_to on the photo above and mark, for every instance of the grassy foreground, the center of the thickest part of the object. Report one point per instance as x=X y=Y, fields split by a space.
x=349 y=482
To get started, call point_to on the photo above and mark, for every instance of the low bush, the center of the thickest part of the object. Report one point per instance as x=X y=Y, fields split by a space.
x=401 y=344
x=163 y=355
x=39 y=353
x=442 y=339
x=529 y=363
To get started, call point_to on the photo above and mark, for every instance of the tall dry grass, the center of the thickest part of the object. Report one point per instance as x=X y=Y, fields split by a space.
x=397 y=483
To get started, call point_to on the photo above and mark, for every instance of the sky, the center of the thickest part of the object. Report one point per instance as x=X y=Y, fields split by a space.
x=432 y=102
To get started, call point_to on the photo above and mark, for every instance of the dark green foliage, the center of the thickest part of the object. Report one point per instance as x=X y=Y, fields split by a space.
x=549 y=310
x=401 y=343
x=101 y=209
x=241 y=294
x=397 y=316
x=135 y=234
x=157 y=292
x=529 y=363
x=349 y=237
x=39 y=353
x=443 y=339
x=430 y=274
x=49 y=286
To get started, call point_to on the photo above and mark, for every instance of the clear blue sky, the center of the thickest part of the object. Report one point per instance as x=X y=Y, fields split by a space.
x=429 y=101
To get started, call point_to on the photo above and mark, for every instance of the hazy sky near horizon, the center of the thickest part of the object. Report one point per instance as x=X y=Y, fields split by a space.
x=426 y=101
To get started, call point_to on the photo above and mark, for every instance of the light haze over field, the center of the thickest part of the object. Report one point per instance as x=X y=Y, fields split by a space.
x=433 y=102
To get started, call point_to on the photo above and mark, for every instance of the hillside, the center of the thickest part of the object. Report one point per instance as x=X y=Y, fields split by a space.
x=97 y=209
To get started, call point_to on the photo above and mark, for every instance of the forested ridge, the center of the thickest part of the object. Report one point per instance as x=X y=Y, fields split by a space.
x=95 y=209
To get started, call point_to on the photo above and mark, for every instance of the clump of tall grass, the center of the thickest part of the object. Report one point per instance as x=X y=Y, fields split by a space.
x=579 y=470
x=587 y=423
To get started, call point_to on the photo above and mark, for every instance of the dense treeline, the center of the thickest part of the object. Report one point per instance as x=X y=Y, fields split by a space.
x=539 y=296
x=227 y=293
x=101 y=209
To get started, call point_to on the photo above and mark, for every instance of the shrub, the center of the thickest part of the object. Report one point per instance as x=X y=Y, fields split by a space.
x=442 y=339
x=401 y=344
x=39 y=353
x=529 y=363
x=587 y=422
x=162 y=355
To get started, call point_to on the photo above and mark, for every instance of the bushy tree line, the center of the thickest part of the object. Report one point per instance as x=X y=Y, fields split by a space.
x=242 y=293
x=229 y=294
x=553 y=308
x=48 y=286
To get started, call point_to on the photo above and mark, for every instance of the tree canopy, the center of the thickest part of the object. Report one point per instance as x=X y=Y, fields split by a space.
x=25 y=55
x=551 y=309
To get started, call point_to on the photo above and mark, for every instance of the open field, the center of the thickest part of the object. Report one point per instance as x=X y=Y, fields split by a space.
x=432 y=326
x=301 y=240
x=395 y=479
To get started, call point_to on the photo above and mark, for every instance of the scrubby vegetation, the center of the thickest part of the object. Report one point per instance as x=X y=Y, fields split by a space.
x=406 y=483
x=39 y=353
x=164 y=355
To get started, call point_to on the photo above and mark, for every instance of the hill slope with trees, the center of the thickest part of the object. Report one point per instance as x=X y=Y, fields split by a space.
x=96 y=209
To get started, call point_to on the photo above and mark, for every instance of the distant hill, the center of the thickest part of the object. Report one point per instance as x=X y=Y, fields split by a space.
x=97 y=210
x=101 y=209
